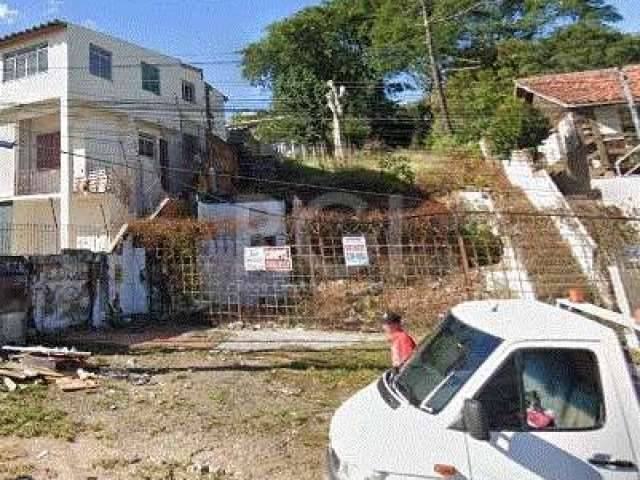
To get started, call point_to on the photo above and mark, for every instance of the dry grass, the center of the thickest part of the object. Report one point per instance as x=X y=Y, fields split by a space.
x=358 y=304
x=272 y=406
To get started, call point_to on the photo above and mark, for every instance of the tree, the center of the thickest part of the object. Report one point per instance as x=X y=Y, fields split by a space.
x=318 y=44
x=368 y=45
x=517 y=125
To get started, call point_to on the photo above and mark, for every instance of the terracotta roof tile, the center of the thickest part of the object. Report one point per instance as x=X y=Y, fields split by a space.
x=584 y=88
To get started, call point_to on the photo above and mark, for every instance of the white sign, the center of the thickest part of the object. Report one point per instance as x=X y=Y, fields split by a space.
x=254 y=259
x=268 y=259
x=355 y=251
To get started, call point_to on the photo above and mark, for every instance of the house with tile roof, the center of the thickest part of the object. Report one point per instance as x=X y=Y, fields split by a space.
x=595 y=115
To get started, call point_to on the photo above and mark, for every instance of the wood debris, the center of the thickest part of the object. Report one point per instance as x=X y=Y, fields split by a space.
x=63 y=367
x=67 y=384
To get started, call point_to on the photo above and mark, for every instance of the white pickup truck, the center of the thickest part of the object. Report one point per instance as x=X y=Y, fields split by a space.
x=502 y=390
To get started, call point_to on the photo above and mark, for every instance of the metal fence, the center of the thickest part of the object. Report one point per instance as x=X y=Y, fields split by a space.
x=419 y=266
x=42 y=181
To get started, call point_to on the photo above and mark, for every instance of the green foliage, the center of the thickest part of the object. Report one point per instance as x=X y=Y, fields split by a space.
x=25 y=414
x=301 y=53
x=357 y=130
x=399 y=167
x=482 y=245
x=473 y=99
x=299 y=110
x=517 y=125
x=367 y=45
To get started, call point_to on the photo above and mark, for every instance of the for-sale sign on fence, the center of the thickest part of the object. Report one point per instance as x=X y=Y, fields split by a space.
x=268 y=259
x=355 y=251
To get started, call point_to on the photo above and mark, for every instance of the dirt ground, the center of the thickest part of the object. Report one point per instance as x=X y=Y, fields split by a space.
x=187 y=414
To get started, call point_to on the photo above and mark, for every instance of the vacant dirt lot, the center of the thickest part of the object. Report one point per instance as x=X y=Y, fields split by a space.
x=185 y=415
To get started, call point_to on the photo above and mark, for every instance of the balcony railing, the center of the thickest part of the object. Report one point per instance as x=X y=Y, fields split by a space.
x=34 y=182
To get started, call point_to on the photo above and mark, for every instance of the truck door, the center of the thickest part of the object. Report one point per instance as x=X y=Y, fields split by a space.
x=553 y=414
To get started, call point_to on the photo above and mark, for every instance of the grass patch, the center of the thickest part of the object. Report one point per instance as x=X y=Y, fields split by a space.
x=219 y=398
x=25 y=414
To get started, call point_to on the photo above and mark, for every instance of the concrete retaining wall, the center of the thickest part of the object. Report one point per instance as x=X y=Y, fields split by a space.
x=74 y=289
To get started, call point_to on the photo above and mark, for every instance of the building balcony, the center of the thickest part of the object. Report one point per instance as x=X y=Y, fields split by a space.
x=38 y=182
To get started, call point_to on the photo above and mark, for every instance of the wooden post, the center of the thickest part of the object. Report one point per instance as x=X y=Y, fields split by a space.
x=463 y=258
x=600 y=145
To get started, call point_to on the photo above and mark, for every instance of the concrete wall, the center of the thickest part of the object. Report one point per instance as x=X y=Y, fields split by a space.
x=222 y=260
x=620 y=192
x=35 y=227
x=66 y=292
x=14 y=300
x=41 y=86
x=8 y=133
x=509 y=278
x=126 y=83
x=74 y=289
x=544 y=195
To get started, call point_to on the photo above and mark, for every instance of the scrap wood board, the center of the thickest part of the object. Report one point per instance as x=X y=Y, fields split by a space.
x=52 y=352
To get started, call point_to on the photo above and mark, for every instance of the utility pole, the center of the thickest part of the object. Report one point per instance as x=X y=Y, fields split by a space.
x=628 y=94
x=436 y=74
x=334 y=100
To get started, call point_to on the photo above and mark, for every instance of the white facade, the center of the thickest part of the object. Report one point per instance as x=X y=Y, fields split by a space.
x=83 y=95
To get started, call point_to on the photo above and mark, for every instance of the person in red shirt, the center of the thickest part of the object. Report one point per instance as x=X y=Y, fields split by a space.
x=402 y=345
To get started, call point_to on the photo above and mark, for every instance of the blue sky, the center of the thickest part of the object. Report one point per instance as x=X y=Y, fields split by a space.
x=194 y=30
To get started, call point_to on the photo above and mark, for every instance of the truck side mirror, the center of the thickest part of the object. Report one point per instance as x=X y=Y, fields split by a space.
x=476 y=421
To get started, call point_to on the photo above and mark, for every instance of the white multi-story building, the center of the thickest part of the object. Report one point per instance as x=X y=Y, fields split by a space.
x=93 y=131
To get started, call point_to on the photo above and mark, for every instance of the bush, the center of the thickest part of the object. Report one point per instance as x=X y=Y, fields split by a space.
x=397 y=166
x=517 y=125
x=483 y=246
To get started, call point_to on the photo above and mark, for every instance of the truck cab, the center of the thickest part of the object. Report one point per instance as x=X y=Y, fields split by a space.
x=506 y=389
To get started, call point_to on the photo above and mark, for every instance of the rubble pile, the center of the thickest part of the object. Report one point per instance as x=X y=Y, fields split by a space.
x=66 y=368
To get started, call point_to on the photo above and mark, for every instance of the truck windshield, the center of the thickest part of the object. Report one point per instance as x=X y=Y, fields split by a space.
x=443 y=363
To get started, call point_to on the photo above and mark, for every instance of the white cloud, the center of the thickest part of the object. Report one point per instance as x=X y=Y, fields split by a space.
x=7 y=13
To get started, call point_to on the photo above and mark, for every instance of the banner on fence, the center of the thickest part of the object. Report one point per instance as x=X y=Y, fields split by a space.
x=268 y=259
x=355 y=251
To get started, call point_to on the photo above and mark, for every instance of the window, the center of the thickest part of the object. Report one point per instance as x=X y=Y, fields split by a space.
x=26 y=62
x=501 y=399
x=150 y=78
x=48 y=151
x=146 y=145
x=263 y=241
x=100 y=62
x=188 y=92
x=545 y=390
x=443 y=364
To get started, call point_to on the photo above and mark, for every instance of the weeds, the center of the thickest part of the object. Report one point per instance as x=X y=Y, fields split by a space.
x=24 y=414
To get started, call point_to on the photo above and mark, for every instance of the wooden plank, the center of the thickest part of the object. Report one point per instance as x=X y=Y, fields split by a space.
x=13 y=374
x=53 y=352
x=75 y=384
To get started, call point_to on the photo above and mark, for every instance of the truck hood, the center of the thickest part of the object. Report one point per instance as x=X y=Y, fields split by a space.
x=368 y=433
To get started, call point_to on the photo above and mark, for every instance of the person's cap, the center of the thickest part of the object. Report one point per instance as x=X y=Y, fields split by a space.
x=389 y=318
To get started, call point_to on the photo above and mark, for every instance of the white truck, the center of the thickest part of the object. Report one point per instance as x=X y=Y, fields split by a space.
x=502 y=390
